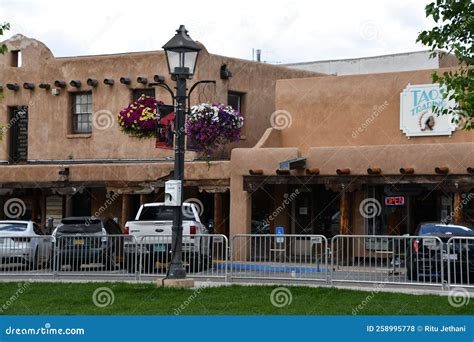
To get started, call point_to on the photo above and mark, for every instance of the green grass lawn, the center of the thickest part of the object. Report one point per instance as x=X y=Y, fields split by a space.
x=147 y=299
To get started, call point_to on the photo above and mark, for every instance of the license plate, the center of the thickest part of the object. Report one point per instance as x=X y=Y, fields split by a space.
x=78 y=242
x=450 y=257
x=159 y=248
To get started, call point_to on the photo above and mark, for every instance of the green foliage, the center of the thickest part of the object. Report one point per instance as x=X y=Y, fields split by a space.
x=454 y=33
x=3 y=27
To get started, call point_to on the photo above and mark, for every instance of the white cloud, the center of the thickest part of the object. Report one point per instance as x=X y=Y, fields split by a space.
x=286 y=31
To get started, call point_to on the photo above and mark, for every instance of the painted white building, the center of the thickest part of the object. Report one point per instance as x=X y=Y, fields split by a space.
x=407 y=61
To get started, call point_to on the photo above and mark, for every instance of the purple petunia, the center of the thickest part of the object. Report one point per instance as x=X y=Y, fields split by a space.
x=211 y=125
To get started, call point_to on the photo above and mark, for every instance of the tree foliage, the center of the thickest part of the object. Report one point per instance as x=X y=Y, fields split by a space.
x=454 y=32
x=3 y=48
x=3 y=27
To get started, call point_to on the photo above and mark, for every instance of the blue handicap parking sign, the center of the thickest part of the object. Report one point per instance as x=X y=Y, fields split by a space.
x=280 y=231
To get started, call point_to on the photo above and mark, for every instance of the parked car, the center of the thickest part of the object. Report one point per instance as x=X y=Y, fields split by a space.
x=152 y=231
x=24 y=243
x=427 y=257
x=260 y=227
x=88 y=240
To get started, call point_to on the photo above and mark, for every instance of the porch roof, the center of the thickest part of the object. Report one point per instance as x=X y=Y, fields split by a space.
x=424 y=159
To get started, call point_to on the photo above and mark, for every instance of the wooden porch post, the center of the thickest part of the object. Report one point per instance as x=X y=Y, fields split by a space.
x=68 y=208
x=344 y=218
x=457 y=208
x=125 y=208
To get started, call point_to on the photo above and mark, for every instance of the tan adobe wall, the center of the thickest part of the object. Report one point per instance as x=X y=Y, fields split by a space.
x=50 y=116
x=328 y=111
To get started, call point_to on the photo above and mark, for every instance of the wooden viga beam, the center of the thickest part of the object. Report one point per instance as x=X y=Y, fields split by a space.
x=407 y=170
x=312 y=172
x=374 y=170
x=256 y=172
x=345 y=171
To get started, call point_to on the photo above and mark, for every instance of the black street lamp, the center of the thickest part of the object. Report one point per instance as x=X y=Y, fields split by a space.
x=181 y=55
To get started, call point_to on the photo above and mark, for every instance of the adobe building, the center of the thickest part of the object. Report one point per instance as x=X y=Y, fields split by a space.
x=359 y=154
x=65 y=154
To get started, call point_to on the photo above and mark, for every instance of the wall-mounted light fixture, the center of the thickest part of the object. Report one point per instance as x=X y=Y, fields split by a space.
x=142 y=80
x=64 y=172
x=225 y=72
x=109 y=81
x=13 y=86
x=75 y=83
x=45 y=86
x=60 y=84
x=92 y=82
x=125 y=80
x=28 y=86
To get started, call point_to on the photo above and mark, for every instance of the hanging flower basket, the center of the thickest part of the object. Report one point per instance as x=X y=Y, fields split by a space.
x=211 y=125
x=139 y=119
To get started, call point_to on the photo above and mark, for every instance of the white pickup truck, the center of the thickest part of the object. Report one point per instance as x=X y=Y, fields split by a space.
x=152 y=232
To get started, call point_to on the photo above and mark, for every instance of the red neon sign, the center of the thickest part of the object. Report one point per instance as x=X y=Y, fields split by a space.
x=395 y=200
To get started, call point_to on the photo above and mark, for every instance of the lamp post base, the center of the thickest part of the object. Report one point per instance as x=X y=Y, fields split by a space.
x=177 y=272
x=176 y=283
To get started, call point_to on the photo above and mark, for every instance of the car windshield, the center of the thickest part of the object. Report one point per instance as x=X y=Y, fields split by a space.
x=13 y=227
x=80 y=226
x=439 y=229
x=164 y=213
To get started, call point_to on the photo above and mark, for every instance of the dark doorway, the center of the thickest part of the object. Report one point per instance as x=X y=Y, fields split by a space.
x=81 y=204
x=327 y=214
x=303 y=212
x=18 y=134
x=262 y=209
x=426 y=207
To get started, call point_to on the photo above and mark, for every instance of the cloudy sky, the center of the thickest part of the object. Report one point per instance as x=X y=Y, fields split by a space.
x=285 y=30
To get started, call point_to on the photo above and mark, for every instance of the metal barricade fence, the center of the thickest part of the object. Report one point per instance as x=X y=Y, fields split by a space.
x=275 y=256
x=25 y=255
x=459 y=257
x=98 y=255
x=204 y=255
x=388 y=259
x=408 y=260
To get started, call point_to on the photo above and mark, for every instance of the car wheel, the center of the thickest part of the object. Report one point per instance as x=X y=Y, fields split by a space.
x=47 y=264
x=130 y=263
x=34 y=264
x=198 y=263
x=148 y=264
x=76 y=265
x=110 y=261
x=412 y=271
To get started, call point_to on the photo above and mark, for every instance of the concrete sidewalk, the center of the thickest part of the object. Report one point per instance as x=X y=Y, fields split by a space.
x=200 y=283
